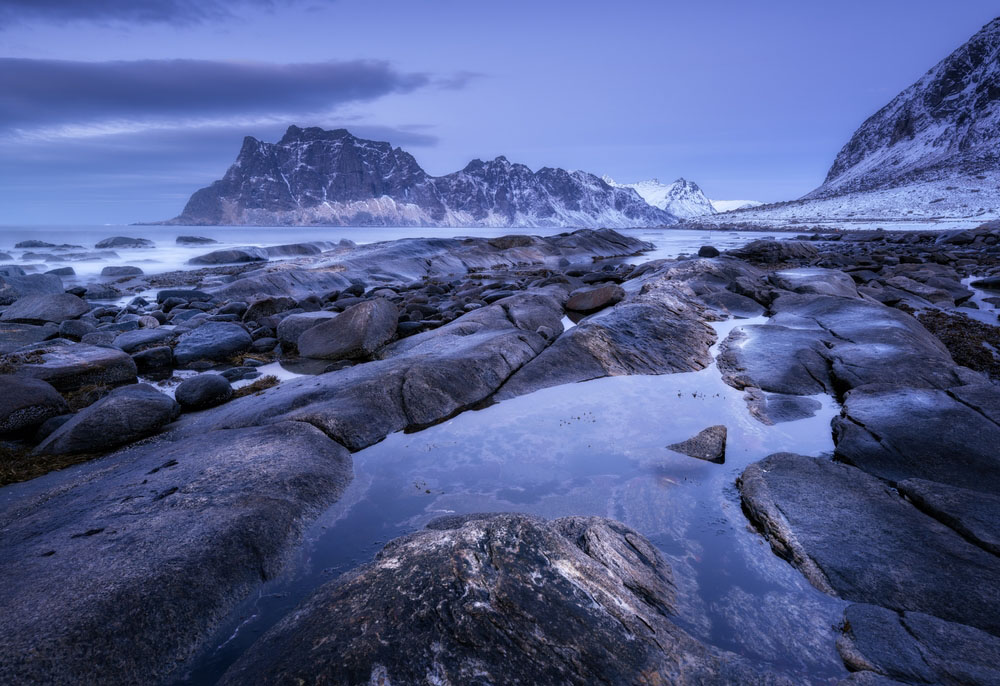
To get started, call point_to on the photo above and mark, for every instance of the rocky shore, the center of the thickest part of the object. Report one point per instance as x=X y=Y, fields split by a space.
x=151 y=488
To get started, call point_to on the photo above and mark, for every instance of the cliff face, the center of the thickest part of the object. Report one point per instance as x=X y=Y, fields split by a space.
x=312 y=176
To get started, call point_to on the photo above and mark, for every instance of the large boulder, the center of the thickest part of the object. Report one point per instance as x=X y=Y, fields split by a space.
x=267 y=306
x=26 y=403
x=124 y=242
x=767 y=251
x=124 y=270
x=38 y=309
x=231 y=256
x=815 y=280
x=141 y=339
x=594 y=299
x=215 y=341
x=853 y=536
x=902 y=433
x=356 y=333
x=15 y=284
x=491 y=599
x=294 y=325
x=72 y=366
x=115 y=571
x=203 y=391
x=123 y=416
x=14 y=336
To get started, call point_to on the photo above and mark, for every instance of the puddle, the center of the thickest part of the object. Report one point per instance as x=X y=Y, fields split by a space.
x=594 y=448
x=987 y=312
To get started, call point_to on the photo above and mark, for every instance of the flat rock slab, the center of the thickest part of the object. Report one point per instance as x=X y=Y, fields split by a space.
x=918 y=648
x=776 y=359
x=594 y=299
x=492 y=599
x=71 y=366
x=973 y=514
x=815 y=280
x=115 y=571
x=708 y=444
x=18 y=285
x=125 y=415
x=853 y=536
x=38 y=309
x=901 y=433
x=660 y=330
x=216 y=341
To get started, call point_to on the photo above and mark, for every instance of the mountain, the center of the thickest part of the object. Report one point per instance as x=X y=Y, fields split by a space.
x=681 y=198
x=730 y=205
x=317 y=177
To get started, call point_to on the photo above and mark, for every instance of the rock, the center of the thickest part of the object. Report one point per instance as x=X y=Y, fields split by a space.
x=140 y=339
x=595 y=299
x=973 y=514
x=734 y=304
x=148 y=322
x=115 y=571
x=71 y=366
x=38 y=309
x=708 y=444
x=203 y=391
x=902 y=433
x=776 y=359
x=918 y=648
x=775 y=408
x=267 y=306
x=294 y=249
x=656 y=331
x=26 y=403
x=155 y=363
x=217 y=341
x=294 y=325
x=775 y=252
x=123 y=416
x=62 y=271
x=183 y=295
x=231 y=256
x=194 y=240
x=121 y=271
x=124 y=242
x=501 y=598
x=708 y=251
x=853 y=536
x=356 y=333
x=815 y=280
x=75 y=329
x=990 y=282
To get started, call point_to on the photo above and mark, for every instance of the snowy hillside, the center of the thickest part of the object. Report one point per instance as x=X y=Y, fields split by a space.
x=730 y=205
x=681 y=198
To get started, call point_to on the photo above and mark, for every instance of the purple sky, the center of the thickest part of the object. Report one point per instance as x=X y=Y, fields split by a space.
x=117 y=110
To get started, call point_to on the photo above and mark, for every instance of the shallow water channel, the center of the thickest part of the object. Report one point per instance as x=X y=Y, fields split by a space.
x=594 y=448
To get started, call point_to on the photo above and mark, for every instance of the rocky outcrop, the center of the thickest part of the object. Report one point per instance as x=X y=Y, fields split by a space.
x=356 y=333
x=500 y=598
x=312 y=176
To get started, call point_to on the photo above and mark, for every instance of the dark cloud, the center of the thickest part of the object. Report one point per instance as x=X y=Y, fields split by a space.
x=37 y=94
x=129 y=11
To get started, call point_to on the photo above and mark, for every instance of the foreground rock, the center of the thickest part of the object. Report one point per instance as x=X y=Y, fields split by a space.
x=852 y=536
x=215 y=341
x=356 y=333
x=72 y=366
x=38 y=309
x=594 y=299
x=15 y=284
x=495 y=599
x=203 y=391
x=123 y=416
x=709 y=445
x=26 y=403
x=114 y=572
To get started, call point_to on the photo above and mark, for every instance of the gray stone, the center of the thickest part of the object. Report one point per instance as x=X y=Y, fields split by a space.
x=775 y=252
x=231 y=256
x=121 y=271
x=708 y=444
x=76 y=328
x=194 y=240
x=853 y=536
x=203 y=391
x=38 y=309
x=492 y=599
x=217 y=341
x=973 y=514
x=267 y=306
x=14 y=336
x=294 y=325
x=775 y=408
x=777 y=359
x=140 y=339
x=27 y=403
x=733 y=303
x=114 y=572
x=123 y=416
x=357 y=332
x=71 y=366
x=17 y=285
x=184 y=295
x=594 y=299
x=816 y=280
x=125 y=242
x=902 y=433
x=155 y=363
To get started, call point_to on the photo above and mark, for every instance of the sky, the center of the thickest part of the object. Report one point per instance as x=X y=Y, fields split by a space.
x=115 y=111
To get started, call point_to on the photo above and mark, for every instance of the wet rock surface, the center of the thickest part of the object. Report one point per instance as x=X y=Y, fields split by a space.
x=357 y=332
x=496 y=599
x=709 y=445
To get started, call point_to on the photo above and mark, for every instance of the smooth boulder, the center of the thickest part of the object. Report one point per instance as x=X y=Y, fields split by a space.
x=125 y=415
x=27 y=403
x=708 y=444
x=356 y=333
x=215 y=341
x=203 y=391
x=594 y=299
x=231 y=256
x=38 y=309
x=125 y=242
x=72 y=366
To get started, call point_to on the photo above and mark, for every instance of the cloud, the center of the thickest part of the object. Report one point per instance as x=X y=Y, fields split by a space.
x=129 y=11
x=66 y=99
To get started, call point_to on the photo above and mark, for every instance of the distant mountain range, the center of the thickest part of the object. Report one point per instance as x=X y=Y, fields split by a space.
x=317 y=177
x=932 y=152
x=682 y=198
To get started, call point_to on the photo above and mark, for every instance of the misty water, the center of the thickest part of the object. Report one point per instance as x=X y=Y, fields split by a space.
x=593 y=448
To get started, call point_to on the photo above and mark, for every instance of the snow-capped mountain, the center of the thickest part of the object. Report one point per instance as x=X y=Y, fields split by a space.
x=730 y=205
x=318 y=177
x=682 y=198
x=946 y=124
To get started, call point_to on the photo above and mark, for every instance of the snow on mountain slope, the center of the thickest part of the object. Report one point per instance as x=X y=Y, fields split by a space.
x=317 y=177
x=730 y=205
x=682 y=198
